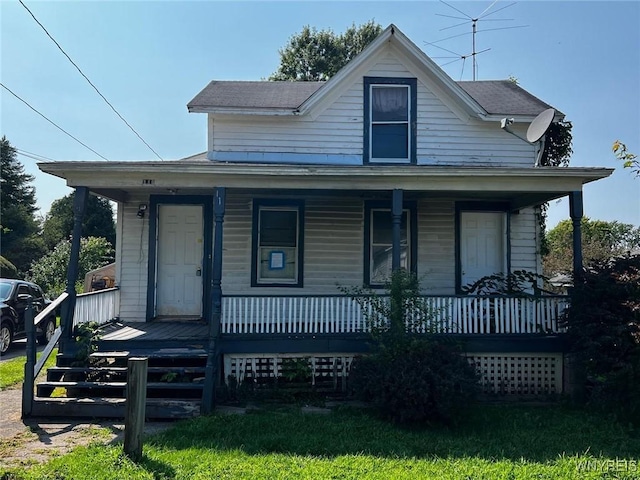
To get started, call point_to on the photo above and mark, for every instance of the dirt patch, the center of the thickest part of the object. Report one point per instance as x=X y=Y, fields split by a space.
x=31 y=441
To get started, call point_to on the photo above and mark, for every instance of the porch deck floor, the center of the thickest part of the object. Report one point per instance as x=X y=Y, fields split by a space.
x=153 y=331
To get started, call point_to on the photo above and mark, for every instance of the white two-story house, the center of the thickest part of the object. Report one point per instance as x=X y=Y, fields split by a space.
x=308 y=186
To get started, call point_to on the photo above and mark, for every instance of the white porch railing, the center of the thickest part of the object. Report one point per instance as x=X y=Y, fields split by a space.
x=339 y=314
x=99 y=306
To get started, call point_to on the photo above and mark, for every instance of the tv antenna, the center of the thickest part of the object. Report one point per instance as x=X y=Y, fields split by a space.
x=468 y=19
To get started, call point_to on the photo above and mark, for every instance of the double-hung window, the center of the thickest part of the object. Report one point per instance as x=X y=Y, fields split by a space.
x=389 y=126
x=277 y=243
x=379 y=243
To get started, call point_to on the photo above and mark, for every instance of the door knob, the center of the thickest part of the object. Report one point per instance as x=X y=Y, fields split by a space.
x=199 y=272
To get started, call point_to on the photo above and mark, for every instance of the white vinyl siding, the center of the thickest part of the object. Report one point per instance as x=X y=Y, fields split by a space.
x=442 y=138
x=436 y=246
x=524 y=241
x=333 y=248
x=133 y=246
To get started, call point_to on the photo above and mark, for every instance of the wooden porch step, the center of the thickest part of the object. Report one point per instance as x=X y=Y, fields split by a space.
x=120 y=385
x=155 y=353
x=56 y=373
x=156 y=408
x=182 y=357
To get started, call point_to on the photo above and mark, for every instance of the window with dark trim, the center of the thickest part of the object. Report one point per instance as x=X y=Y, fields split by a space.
x=378 y=245
x=390 y=120
x=277 y=250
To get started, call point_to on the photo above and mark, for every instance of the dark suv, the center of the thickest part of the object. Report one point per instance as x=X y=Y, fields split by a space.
x=14 y=298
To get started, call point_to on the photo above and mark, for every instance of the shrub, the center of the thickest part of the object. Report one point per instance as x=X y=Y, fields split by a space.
x=50 y=272
x=422 y=381
x=410 y=379
x=603 y=327
x=519 y=282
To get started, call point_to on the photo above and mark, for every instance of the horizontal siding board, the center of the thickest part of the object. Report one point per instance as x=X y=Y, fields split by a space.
x=133 y=268
x=333 y=248
x=524 y=241
x=442 y=137
x=436 y=252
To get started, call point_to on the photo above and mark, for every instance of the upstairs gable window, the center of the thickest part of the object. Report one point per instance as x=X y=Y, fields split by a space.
x=389 y=127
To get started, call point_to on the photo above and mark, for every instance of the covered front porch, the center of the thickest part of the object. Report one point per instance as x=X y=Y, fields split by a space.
x=250 y=312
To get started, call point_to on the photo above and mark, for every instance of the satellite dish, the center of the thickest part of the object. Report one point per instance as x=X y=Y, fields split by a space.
x=540 y=125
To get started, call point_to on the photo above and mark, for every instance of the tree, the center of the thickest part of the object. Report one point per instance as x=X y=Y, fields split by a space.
x=97 y=221
x=50 y=272
x=557 y=153
x=19 y=229
x=313 y=55
x=629 y=159
x=600 y=241
x=603 y=331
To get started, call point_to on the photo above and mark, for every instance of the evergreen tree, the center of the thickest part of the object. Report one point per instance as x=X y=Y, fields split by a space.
x=19 y=228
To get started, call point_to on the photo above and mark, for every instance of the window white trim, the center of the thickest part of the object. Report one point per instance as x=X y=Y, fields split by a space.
x=373 y=122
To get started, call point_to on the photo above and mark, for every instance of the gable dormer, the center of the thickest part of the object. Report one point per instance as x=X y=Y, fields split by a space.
x=390 y=105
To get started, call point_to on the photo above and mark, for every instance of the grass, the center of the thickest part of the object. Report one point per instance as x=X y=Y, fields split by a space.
x=12 y=371
x=505 y=442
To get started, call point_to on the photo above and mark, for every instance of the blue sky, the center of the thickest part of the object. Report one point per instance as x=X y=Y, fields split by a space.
x=150 y=58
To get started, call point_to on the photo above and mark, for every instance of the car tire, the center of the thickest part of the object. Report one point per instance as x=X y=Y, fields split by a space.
x=48 y=329
x=6 y=337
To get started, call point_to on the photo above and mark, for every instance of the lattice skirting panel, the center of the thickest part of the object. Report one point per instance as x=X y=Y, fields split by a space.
x=510 y=374
x=261 y=367
x=519 y=373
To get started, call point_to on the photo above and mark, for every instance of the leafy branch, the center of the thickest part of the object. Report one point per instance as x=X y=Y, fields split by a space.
x=629 y=159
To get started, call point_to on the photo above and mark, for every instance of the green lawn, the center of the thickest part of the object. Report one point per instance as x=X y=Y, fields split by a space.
x=504 y=442
x=12 y=371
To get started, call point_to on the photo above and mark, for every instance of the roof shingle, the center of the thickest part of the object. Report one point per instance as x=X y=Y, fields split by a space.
x=499 y=97
x=234 y=94
x=504 y=97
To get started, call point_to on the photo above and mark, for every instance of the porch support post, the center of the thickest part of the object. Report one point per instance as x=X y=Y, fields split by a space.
x=213 y=350
x=396 y=219
x=80 y=198
x=576 y=211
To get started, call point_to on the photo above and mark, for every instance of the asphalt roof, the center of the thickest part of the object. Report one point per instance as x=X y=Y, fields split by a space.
x=504 y=97
x=234 y=94
x=500 y=97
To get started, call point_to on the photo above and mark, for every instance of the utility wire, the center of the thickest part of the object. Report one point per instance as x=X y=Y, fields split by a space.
x=90 y=82
x=35 y=156
x=51 y=121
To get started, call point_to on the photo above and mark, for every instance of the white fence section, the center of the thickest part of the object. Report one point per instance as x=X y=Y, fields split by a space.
x=519 y=373
x=100 y=306
x=339 y=314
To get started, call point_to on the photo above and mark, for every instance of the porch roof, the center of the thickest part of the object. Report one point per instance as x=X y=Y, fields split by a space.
x=520 y=186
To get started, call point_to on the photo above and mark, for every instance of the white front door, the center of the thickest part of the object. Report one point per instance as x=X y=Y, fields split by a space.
x=482 y=245
x=179 y=261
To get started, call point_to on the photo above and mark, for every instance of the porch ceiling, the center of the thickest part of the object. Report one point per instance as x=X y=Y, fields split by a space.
x=520 y=186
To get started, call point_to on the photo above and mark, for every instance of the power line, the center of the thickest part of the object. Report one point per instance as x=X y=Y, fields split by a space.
x=35 y=156
x=90 y=83
x=51 y=121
